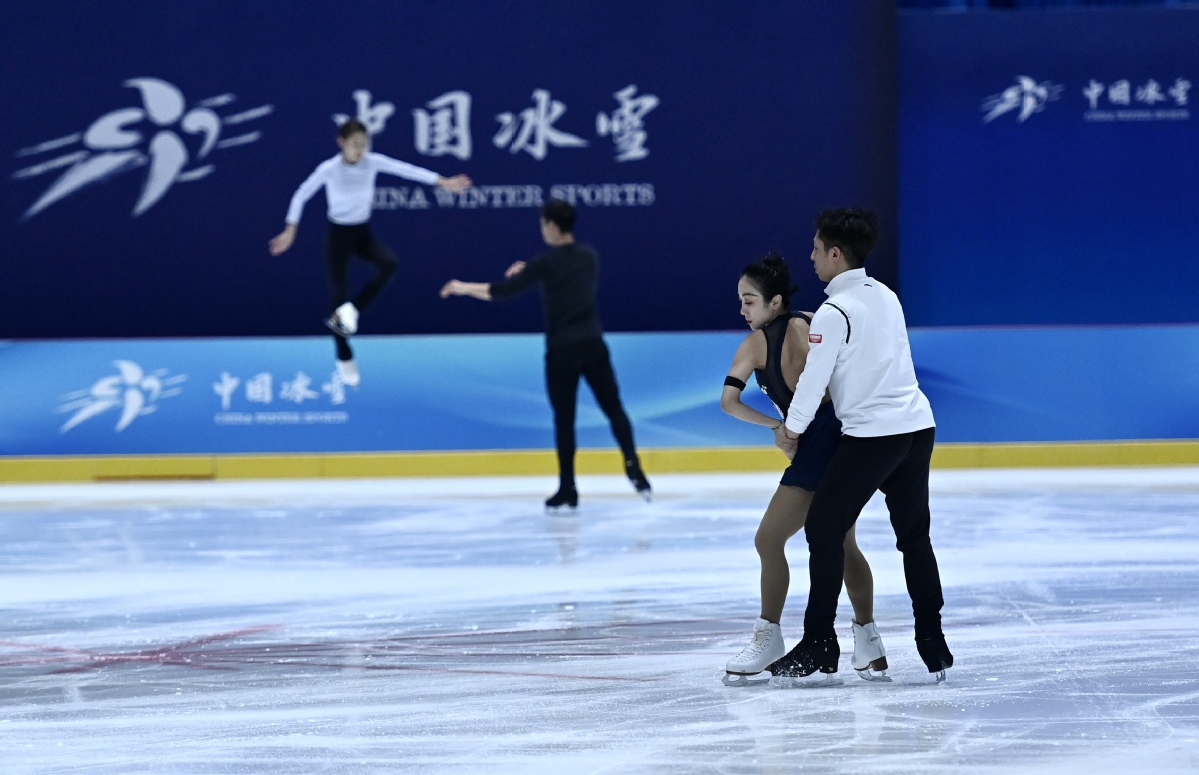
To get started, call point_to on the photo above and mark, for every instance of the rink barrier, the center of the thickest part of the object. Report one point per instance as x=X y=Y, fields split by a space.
x=543 y=462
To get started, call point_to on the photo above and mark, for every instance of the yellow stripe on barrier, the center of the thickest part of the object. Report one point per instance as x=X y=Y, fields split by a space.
x=542 y=462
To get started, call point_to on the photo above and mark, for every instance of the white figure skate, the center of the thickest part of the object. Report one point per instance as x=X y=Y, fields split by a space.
x=347 y=372
x=869 y=656
x=765 y=648
x=344 y=320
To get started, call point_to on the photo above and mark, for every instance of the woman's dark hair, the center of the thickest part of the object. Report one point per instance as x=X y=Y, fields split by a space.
x=352 y=127
x=771 y=277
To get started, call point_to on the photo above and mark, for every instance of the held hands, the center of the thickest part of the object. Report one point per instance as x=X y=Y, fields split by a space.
x=456 y=184
x=788 y=445
x=516 y=268
x=452 y=288
x=283 y=240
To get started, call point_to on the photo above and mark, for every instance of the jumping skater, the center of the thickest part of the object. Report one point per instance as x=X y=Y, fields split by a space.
x=775 y=353
x=349 y=181
x=574 y=342
x=859 y=352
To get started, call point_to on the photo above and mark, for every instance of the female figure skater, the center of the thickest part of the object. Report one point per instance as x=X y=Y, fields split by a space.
x=775 y=353
x=349 y=181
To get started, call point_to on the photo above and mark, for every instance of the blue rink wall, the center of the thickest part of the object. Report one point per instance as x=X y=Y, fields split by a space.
x=485 y=392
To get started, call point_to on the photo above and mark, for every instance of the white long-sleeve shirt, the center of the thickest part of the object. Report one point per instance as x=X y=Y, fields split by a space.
x=350 y=188
x=859 y=351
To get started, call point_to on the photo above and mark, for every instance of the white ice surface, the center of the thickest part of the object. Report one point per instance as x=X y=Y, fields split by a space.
x=449 y=625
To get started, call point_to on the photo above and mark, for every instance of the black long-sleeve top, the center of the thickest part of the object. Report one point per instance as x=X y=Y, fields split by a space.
x=568 y=275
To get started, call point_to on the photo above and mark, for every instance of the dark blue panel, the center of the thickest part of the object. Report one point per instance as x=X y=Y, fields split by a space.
x=1080 y=209
x=767 y=112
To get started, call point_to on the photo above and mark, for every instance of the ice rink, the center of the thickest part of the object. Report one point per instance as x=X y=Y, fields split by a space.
x=429 y=626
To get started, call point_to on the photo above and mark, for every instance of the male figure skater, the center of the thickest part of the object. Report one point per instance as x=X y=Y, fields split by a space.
x=349 y=182
x=859 y=351
x=574 y=341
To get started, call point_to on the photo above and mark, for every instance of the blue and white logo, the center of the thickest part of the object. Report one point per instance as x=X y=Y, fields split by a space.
x=173 y=140
x=132 y=390
x=1027 y=97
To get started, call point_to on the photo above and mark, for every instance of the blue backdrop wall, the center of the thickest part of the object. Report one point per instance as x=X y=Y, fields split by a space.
x=1045 y=178
x=1047 y=166
x=152 y=148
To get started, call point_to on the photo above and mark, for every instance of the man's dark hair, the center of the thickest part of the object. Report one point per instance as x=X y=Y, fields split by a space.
x=352 y=127
x=560 y=213
x=772 y=277
x=853 y=229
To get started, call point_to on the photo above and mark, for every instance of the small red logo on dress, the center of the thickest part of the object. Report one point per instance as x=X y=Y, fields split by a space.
x=814 y=338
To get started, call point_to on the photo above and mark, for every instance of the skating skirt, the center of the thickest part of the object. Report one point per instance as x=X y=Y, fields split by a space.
x=816 y=448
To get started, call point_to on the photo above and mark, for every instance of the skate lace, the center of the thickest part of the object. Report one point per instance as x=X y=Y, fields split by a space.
x=756 y=646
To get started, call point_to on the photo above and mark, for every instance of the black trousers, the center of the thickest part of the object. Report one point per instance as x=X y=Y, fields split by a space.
x=342 y=244
x=898 y=466
x=563 y=367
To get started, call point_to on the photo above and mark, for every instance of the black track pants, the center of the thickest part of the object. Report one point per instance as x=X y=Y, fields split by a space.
x=342 y=244
x=563 y=367
x=898 y=466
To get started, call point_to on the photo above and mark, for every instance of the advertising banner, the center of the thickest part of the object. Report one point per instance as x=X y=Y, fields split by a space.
x=418 y=393
x=152 y=149
x=484 y=392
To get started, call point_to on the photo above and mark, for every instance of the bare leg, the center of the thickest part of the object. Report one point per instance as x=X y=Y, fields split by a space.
x=859 y=581
x=784 y=517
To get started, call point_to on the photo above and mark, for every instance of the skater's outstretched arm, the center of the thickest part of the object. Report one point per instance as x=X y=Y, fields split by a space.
x=421 y=175
x=480 y=291
x=518 y=277
x=456 y=184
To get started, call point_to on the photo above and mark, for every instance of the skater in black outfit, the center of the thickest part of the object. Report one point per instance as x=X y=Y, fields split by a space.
x=349 y=182
x=859 y=352
x=574 y=341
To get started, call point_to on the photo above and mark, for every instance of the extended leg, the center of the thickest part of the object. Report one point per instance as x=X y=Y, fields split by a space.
x=602 y=380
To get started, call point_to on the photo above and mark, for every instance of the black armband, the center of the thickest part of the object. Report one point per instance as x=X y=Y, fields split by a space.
x=734 y=382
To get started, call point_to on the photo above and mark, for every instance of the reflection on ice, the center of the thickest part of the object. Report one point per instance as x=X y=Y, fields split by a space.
x=453 y=626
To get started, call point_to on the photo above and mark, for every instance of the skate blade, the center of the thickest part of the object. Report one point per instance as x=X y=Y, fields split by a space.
x=646 y=496
x=941 y=676
x=874 y=675
x=336 y=327
x=563 y=509
x=741 y=681
x=814 y=681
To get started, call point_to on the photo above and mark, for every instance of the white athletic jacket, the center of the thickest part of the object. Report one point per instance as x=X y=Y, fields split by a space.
x=858 y=350
x=350 y=188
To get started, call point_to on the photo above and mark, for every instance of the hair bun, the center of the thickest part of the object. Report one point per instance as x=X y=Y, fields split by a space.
x=771 y=276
